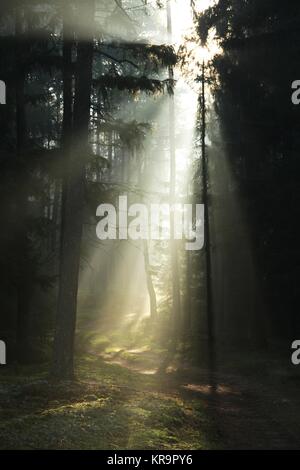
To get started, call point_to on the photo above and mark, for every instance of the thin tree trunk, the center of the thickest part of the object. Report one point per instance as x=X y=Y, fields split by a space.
x=188 y=303
x=55 y=216
x=23 y=281
x=68 y=41
x=209 y=295
x=110 y=152
x=73 y=209
x=176 y=298
x=147 y=265
x=150 y=286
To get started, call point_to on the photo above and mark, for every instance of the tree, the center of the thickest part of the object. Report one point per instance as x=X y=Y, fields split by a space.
x=176 y=297
x=207 y=236
x=73 y=206
x=259 y=138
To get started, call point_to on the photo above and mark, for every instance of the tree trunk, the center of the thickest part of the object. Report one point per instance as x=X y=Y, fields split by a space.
x=23 y=280
x=68 y=40
x=209 y=297
x=55 y=216
x=188 y=295
x=151 y=290
x=73 y=209
x=176 y=298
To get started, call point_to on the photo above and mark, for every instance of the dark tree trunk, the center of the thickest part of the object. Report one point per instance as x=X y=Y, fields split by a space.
x=55 y=216
x=73 y=206
x=188 y=294
x=23 y=278
x=68 y=42
x=209 y=294
x=176 y=297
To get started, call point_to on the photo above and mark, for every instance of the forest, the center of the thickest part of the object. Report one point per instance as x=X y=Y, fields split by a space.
x=149 y=195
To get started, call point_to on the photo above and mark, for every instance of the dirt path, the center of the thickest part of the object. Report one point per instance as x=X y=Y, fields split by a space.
x=245 y=413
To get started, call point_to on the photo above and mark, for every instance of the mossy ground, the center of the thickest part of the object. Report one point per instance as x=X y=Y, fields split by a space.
x=108 y=407
x=129 y=393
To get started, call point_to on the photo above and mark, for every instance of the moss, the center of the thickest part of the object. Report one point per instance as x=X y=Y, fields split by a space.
x=109 y=407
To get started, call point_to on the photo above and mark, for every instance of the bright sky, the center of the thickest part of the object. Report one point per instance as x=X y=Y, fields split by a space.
x=182 y=16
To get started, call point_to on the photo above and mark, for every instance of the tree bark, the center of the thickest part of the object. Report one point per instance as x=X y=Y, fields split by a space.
x=209 y=294
x=73 y=207
x=176 y=298
x=23 y=279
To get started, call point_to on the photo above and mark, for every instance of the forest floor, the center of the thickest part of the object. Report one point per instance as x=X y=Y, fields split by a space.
x=123 y=400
